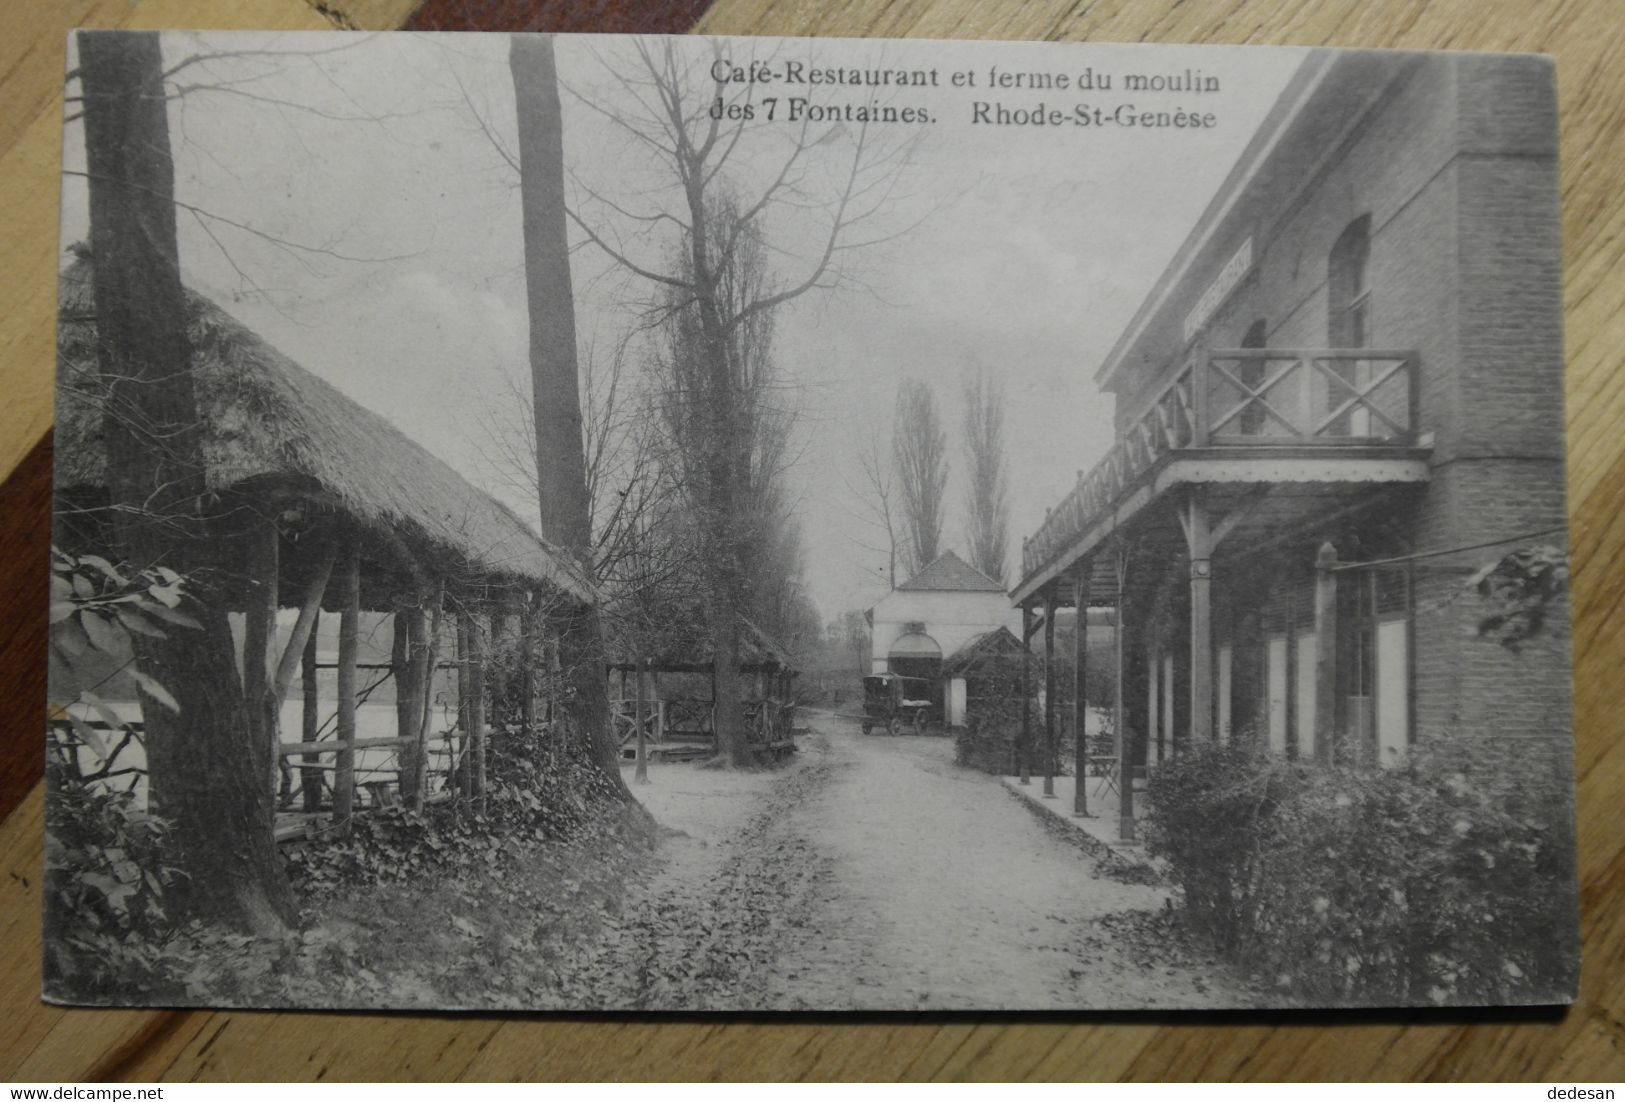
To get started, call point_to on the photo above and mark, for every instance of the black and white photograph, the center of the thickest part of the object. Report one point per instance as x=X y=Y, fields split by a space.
x=642 y=523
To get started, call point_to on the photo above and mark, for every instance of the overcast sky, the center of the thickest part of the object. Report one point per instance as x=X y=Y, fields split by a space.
x=1023 y=249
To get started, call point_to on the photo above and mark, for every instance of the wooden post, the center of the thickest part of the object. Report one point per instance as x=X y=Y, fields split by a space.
x=404 y=665
x=306 y=624
x=478 y=641
x=1026 y=694
x=462 y=760
x=425 y=683
x=310 y=777
x=527 y=666
x=1200 y=539
x=1049 y=692
x=1325 y=651
x=1125 y=742
x=1200 y=417
x=641 y=774
x=349 y=624
x=259 y=646
x=1080 y=694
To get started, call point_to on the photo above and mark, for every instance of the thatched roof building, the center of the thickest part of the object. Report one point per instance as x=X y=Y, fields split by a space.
x=270 y=426
x=688 y=649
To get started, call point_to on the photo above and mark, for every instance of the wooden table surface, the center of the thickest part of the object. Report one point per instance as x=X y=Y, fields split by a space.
x=39 y=1042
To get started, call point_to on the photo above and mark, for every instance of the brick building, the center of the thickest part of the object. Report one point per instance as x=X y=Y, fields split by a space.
x=1342 y=396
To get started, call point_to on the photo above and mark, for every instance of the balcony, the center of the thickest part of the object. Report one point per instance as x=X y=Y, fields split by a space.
x=1329 y=414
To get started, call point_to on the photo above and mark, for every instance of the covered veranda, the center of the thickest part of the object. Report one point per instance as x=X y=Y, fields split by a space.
x=1196 y=492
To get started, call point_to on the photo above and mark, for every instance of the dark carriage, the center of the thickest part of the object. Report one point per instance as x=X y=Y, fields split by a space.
x=893 y=701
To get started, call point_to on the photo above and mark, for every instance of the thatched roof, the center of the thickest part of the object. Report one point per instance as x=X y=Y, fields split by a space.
x=991 y=650
x=267 y=418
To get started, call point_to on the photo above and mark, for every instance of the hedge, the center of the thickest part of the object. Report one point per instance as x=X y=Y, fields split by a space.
x=1448 y=880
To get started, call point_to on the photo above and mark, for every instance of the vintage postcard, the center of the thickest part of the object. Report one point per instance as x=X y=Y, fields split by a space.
x=750 y=524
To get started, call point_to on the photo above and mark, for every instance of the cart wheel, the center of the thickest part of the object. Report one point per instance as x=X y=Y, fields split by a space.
x=894 y=727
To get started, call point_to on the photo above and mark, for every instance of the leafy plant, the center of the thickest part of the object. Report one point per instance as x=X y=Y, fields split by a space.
x=1448 y=879
x=105 y=883
x=1519 y=588
x=96 y=611
x=535 y=790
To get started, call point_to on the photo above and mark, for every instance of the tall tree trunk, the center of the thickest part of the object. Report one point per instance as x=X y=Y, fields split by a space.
x=724 y=467
x=561 y=475
x=208 y=776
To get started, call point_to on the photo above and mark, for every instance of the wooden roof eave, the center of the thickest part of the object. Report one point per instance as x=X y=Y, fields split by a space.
x=1340 y=469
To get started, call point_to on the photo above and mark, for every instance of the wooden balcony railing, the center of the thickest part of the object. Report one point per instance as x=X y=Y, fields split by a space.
x=1245 y=398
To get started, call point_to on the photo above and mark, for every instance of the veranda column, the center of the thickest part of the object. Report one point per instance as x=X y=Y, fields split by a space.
x=1325 y=651
x=1026 y=693
x=1080 y=701
x=1049 y=691
x=1125 y=742
x=1200 y=540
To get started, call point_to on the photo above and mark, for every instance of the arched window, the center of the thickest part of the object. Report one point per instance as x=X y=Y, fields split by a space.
x=1348 y=320
x=1348 y=316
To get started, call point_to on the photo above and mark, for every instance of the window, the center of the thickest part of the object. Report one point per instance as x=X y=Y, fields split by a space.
x=1349 y=313
x=1348 y=321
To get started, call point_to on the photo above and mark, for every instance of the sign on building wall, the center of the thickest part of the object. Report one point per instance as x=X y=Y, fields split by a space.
x=1234 y=271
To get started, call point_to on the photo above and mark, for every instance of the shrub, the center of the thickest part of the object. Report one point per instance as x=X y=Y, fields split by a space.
x=534 y=791
x=988 y=739
x=105 y=885
x=1444 y=880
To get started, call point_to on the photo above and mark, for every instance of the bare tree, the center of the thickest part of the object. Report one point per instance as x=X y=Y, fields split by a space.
x=987 y=490
x=714 y=220
x=560 y=458
x=920 y=448
x=875 y=503
x=209 y=775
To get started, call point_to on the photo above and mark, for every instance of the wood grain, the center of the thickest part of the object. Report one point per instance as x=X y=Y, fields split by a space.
x=41 y=1042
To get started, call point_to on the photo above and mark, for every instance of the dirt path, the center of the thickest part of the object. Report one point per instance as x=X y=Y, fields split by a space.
x=876 y=874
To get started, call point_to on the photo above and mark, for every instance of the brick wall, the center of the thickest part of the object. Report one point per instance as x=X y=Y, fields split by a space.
x=1455 y=164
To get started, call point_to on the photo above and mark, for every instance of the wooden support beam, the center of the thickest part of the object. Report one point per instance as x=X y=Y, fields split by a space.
x=406 y=660
x=1023 y=764
x=461 y=774
x=477 y=677
x=1049 y=693
x=310 y=779
x=1325 y=651
x=315 y=750
x=425 y=686
x=306 y=623
x=1201 y=571
x=527 y=665
x=1080 y=693
x=1220 y=529
x=349 y=627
